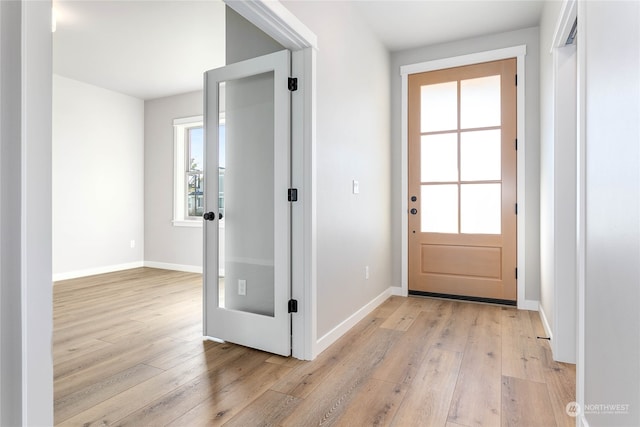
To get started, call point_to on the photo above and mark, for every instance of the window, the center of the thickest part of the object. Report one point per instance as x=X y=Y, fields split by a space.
x=194 y=171
x=188 y=171
x=188 y=204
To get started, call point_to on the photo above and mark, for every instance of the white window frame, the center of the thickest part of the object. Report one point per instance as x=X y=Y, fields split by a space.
x=180 y=127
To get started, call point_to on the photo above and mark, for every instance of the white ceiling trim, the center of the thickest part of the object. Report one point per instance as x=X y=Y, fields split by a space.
x=288 y=30
x=565 y=22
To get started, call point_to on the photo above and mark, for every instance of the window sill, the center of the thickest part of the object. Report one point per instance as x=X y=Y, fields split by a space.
x=187 y=223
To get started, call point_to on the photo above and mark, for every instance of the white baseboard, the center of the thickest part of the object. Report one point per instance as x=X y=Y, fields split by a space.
x=98 y=270
x=119 y=267
x=332 y=336
x=528 y=304
x=175 y=267
x=545 y=322
x=397 y=291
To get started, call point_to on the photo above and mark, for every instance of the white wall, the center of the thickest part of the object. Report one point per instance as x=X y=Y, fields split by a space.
x=353 y=230
x=528 y=37
x=26 y=390
x=165 y=244
x=611 y=40
x=243 y=40
x=10 y=222
x=98 y=177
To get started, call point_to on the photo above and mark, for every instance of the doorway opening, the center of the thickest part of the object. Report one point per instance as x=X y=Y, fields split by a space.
x=462 y=182
x=518 y=52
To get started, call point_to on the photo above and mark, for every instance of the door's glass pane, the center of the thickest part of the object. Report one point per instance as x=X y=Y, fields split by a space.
x=480 y=102
x=246 y=195
x=439 y=208
x=439 y=107
x=222 y=220
x=480 y=155
x=480 y=208
x=439 y=157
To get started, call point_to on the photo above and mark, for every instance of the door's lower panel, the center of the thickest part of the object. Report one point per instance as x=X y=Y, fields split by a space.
x=474 y=261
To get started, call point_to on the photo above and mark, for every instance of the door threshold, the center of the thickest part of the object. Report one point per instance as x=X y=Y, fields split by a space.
x=464 y=298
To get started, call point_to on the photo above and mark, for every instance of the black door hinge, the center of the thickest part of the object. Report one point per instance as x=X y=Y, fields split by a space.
x=516 y=80
x=516 y=273
x=293 y=306
x=516 y=144
x=293 y=84
x=516 y=209
x=292 y=195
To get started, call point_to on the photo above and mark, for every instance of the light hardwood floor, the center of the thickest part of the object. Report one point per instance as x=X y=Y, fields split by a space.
x=128 y=352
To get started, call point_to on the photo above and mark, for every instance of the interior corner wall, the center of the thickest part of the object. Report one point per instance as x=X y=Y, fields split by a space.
x=165 y=244
x=352 y=143
x=98 y=186
x=528 y=37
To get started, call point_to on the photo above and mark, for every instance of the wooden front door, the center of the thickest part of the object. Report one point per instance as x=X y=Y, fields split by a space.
x=462 y=181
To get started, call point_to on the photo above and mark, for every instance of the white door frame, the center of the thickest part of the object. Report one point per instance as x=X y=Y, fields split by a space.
x=519 y=52
x=565 y=103
x=285 y=28
x=26 y=395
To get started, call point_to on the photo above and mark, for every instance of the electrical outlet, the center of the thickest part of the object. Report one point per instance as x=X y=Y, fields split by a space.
x=242 y=287
x=133 y=244
x=366 y=272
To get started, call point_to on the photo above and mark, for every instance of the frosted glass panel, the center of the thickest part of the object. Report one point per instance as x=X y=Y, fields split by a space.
x=439 y=157
x=439 y=208
x=480 y=102
x=246 y=171
x=480 y=208
x=480 y=155
x=439 y=107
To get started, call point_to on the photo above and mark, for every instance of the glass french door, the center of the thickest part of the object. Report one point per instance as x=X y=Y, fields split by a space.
x=247 y=216
x=462 y=181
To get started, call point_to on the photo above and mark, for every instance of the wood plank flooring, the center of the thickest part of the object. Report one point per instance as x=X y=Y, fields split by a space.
x=128 y=351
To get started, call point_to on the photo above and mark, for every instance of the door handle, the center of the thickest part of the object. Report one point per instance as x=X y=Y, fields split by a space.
x=413 y=211
x=210 y=216
x=220 y=215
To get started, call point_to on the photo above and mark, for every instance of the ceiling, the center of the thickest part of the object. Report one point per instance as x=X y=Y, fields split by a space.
x=402 y=24
x=146 y=49
x=150 y=49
